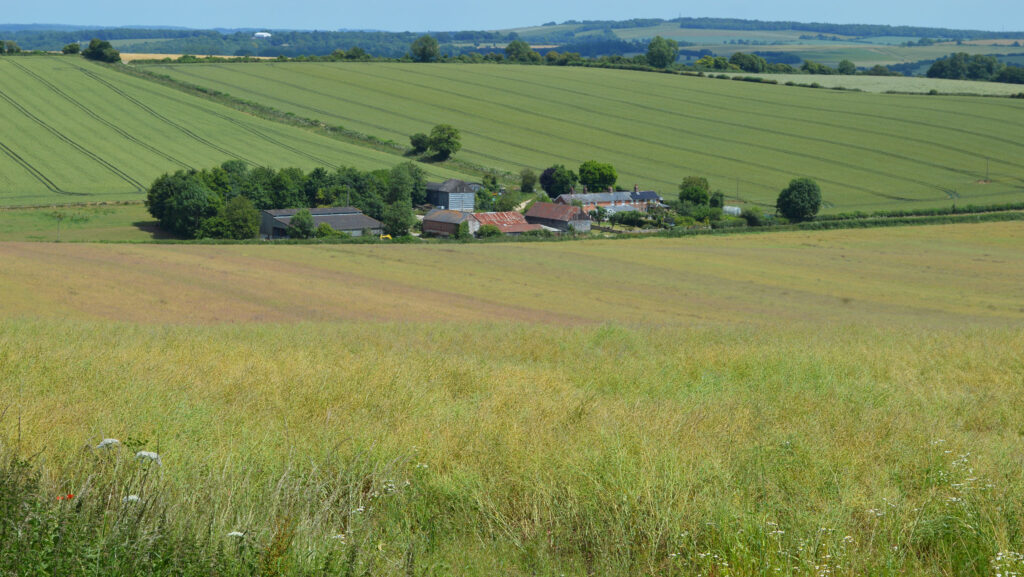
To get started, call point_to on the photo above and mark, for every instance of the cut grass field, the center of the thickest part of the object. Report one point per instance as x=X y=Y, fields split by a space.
x=81 y=132
x=845 y=402
x=868 y=151
x=108 y=222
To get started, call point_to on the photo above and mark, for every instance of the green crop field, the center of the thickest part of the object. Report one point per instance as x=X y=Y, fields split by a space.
x=868 y=151
x=800 y=404
x=79 y=132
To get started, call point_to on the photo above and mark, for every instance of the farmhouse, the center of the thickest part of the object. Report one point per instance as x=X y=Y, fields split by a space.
x=641 y=199
x=347 y=219
x=561 y=217
x=511 y=223
x=452 y=194
x=443 y=222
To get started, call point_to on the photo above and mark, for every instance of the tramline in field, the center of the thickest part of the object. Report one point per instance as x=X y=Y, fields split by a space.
x=76 y=131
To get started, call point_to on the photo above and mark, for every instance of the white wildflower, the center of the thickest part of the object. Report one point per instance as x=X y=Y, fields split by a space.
x=149 y=456
x=237 y=534
x=131 y=499
x=108 y=444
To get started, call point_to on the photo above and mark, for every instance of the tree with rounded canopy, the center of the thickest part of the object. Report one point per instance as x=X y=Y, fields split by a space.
x=597 y=176
x=425 y=49
x=695 y=190
x=301 y=224
x=558 y=180
x=661 y=52
x=101 y=50
x=519 y=51
x=846 y=67
x=445 y=141
x=238 y=219
x=420 y=143
x=799 y=201
x=748 y=62
x=73 y=48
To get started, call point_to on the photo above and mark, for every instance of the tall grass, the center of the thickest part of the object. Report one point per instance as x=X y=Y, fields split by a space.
x=515 y=449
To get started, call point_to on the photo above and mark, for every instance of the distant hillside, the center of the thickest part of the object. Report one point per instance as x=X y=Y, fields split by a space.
x=588 y=37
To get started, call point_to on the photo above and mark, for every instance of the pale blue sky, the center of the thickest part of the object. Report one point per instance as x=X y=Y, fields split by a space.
x=421 y=15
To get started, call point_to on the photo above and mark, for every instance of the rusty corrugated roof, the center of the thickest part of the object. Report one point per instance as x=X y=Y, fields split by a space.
x=500 y=218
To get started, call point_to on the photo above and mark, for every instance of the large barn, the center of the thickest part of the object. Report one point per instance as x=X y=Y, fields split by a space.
x=452 y=194
x=347 y=219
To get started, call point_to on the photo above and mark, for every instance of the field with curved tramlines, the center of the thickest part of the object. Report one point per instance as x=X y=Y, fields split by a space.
x=75 y=131
x=868 y=151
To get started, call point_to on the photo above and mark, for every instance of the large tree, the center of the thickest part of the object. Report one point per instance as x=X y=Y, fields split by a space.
x=301 y=224
x=398 y=216
x=661 y=52
x=519 y=51
x=597 y=176
x=238 y=219
x=558 y=180
x=799 y=201
x=425 y=49
x=445 y=141
x=695 y=190
x=101 y=50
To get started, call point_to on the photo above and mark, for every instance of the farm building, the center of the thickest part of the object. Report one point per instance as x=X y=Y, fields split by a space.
x=638 y=198
x=347 y=219
x=443 y=222
x=511 y=223
x=561 y=217
x=452 y=194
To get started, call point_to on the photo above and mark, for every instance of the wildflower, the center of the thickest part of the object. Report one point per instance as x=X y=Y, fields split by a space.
x=237 y=534
x=108 y=444
x=67 y=497
x=358 y=509
x=148 y=456
x=131 y=499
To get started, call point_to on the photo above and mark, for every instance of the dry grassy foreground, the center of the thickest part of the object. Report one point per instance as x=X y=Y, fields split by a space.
x=842 y=403
x=931 y=276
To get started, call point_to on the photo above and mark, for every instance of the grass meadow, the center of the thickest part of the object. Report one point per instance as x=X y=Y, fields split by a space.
x=868 y=151
x=828 y=403
x=106 y=222
x=89 y=134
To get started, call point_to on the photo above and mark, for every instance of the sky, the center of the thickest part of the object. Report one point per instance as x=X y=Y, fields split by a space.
x=441 y=15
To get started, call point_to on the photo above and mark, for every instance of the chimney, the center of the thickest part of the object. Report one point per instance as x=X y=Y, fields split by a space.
x=636 y=188
x=611 y=189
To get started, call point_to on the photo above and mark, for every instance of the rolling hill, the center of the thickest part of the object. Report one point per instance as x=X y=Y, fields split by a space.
x=76 y=131
x=868 y=151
